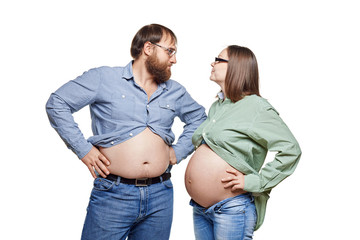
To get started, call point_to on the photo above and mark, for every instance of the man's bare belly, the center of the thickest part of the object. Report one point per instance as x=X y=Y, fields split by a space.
x=203 y=177
x=145 y=155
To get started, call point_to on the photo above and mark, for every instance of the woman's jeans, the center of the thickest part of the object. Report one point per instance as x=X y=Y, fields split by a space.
x=230 y=219
x=117 y=210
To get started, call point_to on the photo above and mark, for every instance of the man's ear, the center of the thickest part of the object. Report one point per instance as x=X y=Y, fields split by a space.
x=148 y=48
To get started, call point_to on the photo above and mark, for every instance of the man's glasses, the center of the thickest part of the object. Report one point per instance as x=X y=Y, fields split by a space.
x=218 y=60
x=171 y=52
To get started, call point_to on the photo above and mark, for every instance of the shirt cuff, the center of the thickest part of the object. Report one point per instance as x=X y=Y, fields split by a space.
x=82 y=150
x=179 y=153
x=252 y=183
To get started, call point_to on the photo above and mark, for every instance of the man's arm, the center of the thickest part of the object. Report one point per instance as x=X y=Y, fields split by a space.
x=192 y=114
x=68 y=99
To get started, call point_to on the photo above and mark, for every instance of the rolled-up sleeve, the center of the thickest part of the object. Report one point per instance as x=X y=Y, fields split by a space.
x=269 y=131
x=68 y=99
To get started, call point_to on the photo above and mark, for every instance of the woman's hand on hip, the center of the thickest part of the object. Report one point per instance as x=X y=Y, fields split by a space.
x=235 y=180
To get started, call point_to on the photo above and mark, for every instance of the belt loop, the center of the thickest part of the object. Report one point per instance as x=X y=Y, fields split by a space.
x=118 y=180
x=252 y=197
x=161 y=178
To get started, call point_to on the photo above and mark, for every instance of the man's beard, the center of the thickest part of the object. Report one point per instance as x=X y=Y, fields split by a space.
x=158 y=70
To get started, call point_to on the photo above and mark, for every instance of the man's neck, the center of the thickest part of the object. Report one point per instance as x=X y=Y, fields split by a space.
x=143 y=78
x=141 y=74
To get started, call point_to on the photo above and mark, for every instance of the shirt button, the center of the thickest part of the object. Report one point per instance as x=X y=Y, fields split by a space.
x=147 y=106
x=123 y=96
x=168 y=106
x=214 y=120
x=131 y=134
x=112 y=143
x=204 y=134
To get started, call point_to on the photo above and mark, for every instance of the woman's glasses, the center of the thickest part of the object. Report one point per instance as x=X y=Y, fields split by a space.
x=217 y=60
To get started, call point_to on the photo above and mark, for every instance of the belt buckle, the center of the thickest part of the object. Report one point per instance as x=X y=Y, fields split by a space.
x=141 y=182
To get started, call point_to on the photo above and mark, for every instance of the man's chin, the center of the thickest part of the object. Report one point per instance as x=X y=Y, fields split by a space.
x=168 y=75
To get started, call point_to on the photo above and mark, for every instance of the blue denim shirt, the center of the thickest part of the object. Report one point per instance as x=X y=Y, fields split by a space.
x=120 y=110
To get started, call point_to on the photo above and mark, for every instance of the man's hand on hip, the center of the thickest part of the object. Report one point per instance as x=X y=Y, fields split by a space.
x=172 y=156
x=95 y=160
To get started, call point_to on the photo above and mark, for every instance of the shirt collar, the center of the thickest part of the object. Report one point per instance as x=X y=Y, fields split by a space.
x=222 y=98
x=220 y=95
x=128 y=74
x=163 y=85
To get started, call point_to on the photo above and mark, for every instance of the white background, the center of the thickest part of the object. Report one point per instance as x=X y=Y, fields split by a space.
x=308 y=55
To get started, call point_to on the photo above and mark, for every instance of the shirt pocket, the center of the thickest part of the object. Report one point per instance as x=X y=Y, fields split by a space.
x=122 y=107
x=167 y=112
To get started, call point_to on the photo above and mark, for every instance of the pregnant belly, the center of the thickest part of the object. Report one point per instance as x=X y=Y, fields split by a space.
x=203 y=177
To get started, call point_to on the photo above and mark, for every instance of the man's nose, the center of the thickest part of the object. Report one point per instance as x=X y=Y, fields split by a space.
x=173 y=59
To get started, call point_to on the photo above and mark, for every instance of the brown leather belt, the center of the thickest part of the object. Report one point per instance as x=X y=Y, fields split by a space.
x=140 y=182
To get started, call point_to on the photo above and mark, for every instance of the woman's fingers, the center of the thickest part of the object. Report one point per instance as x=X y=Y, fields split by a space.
x=232 y=171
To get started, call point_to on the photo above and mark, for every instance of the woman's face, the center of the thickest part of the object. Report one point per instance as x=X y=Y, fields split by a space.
x=219 y=68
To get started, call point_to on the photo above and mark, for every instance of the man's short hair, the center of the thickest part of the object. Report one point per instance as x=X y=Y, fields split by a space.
x=152 y=33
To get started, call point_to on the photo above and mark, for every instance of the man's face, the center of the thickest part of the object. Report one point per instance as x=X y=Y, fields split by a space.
x=159 y=62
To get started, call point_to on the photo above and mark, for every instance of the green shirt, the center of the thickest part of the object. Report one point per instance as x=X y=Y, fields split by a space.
x=242 y=133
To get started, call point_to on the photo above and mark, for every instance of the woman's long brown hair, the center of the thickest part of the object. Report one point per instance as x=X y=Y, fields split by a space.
x=242 y=77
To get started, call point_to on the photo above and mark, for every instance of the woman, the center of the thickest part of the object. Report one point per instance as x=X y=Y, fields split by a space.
x=225 y=177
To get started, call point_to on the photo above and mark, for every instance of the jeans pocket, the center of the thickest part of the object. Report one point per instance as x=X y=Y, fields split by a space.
x=231 y=208
x=168 y=183
x=102 y=184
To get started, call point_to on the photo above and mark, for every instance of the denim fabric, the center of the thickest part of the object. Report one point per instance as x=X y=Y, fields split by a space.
x=120 y=110
x=231 y=219
x=118 y=210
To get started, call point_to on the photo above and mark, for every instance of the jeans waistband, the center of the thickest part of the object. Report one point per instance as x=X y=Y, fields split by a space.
x=140 y=182
x=247 y=196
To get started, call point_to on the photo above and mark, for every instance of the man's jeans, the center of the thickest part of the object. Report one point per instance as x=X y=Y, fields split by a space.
x=230 y=219
x=118 y=210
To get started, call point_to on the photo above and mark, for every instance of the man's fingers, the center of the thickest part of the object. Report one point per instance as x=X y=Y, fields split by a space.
x=104 y=160
x=95 y=161
x=103 y=168
x=99 y=171
x=91 y=171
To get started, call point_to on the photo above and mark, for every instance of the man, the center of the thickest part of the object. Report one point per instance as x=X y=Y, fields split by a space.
x=131 y=153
